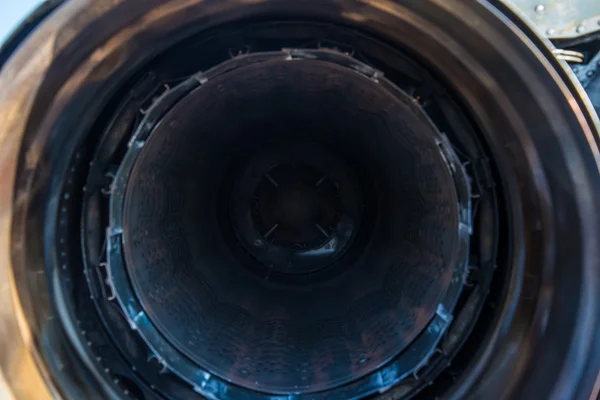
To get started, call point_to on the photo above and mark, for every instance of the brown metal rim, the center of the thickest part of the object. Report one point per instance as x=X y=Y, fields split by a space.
x=31 y=81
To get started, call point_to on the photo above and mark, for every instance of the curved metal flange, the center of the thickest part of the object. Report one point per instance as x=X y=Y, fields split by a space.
x=207 y=384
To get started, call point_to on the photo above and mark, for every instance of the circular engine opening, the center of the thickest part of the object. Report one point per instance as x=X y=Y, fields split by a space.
x=291 y=224
x=366 y=213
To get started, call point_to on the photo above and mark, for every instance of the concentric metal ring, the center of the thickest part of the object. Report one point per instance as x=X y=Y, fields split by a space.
x=211 y=385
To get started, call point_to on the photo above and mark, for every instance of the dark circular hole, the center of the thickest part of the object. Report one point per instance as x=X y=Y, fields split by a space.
x=296 y=208
x=292 y=226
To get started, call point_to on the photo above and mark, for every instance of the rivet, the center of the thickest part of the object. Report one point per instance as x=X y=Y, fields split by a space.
x=590 y=74
x=580 y=29
x=539 y=8
x=550 y=31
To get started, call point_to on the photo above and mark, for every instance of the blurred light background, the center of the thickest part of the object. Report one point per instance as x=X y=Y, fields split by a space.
x=12 y=12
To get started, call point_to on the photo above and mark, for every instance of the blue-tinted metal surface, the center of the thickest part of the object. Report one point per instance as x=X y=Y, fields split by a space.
x=405 y=364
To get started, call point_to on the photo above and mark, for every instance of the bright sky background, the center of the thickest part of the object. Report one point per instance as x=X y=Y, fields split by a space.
x=12 y=12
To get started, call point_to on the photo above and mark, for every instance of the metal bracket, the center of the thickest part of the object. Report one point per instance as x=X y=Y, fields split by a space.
x=587 y=73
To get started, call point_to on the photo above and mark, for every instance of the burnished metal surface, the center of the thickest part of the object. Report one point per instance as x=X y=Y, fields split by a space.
x=560 y=19
x=20 y=365
x=21 y=79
